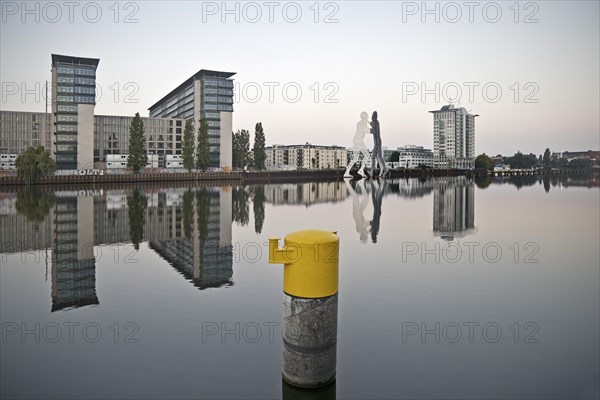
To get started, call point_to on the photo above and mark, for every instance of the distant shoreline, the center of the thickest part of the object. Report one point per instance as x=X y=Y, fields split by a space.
x=267 y=176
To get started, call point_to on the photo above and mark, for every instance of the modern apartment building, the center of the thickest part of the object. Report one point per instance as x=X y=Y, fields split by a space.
x=453 y=137
x=73 y=100
x=305 y=156
x=413 y=156
x=209 y=95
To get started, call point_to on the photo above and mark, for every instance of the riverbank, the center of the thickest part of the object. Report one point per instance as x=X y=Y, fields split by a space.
x=243 y=177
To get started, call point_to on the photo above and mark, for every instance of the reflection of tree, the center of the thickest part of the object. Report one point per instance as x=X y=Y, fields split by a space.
x=137 y=204
x=240 y=208
x=203 y=209
x=546 y=180
x=34 y=204
x=258 y=202
x=188 y=213
x=483 y=182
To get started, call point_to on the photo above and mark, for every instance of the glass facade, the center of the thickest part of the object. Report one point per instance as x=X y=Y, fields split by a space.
x=75 y=83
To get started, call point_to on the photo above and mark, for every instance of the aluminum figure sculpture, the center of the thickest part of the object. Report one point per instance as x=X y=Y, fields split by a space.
x=359 y=148
x=377 y=152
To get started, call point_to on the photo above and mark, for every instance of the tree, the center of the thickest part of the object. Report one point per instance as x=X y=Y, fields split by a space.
x=202 y=151
x=137 y=158
x=395 y=156
x=239 y=205
x=136 y=207
x=483 y=161
x=546 y=159
x=241 y=148
x=34 y=163
x=203 y=211
x=259 y=147
x=187 y=148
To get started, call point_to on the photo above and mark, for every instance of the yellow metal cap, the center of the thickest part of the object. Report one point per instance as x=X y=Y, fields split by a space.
x=311 y=262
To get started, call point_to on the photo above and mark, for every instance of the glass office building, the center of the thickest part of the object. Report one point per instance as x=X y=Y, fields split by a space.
x=73 y=101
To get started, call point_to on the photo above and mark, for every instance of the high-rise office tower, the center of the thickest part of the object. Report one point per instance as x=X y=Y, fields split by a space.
x=73 y=101
x=209 y=95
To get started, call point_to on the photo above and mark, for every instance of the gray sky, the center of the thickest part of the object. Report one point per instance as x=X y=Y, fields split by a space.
x=358 y=56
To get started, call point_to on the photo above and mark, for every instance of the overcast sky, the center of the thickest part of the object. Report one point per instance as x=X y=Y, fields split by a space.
x=542 y=56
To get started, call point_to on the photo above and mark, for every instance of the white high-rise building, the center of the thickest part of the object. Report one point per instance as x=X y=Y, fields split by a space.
x=453 y=137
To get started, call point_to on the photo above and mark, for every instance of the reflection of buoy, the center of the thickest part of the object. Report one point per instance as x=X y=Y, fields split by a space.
x=310 y=283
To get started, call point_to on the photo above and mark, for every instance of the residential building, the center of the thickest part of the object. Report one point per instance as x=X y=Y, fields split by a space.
x=414 y=156
x=453 y=138
x=306 y=156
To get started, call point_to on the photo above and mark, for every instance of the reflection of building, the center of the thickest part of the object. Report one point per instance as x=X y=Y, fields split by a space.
x=209 y=95
x=304 y=156
x=453 y=207
x=306 y=193
x=73 y=262
x=207 y=261
x=453 y=138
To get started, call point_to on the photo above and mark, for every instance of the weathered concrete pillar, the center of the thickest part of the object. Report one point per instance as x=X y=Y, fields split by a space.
x=310 y=283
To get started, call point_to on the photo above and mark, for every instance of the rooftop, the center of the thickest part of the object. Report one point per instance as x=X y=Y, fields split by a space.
x=57 y=58
x=203 y=73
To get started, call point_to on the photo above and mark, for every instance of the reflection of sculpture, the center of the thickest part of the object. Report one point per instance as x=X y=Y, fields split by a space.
x=362 y=127
x=358 y=210
x=377 y=152
x=377 y=194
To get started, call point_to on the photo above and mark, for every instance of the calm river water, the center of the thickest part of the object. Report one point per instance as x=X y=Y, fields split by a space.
x=449 y=288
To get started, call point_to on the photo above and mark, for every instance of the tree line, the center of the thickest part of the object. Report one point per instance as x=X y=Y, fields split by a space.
x=547 y=160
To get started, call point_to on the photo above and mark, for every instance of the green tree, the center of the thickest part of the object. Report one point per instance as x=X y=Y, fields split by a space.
x=241 y=148
x=136 y=207
x=546 y=161
x=34 y=204
x=187 y=148
x=483 y=161
x=395 y=156
x=259 y=147
x=34 y=163
x=202 y=151
x=137 y=158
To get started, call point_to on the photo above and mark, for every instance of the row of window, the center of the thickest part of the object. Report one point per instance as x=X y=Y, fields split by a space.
x=218 y=83
x=18 y=116
x=213 y=90
x=218 y=99
x=67 y=108
x=90 y=71
x=67 y=118
x=24 y=126
x=218 y=107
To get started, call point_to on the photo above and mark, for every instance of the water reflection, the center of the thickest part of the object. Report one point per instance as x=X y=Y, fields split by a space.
x=453 y=207
x=191 y=227
x=73 y=261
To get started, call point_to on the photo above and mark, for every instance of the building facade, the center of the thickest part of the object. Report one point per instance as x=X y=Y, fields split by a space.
x=453 y=138
x=73 y=101
x=306 y=156
x=205 y=95
x=414 y=156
